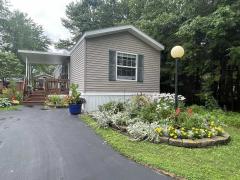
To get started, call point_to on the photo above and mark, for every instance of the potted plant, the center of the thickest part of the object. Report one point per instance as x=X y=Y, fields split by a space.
x=75 y=100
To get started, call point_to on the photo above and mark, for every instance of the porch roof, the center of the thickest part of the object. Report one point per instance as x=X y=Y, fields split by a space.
x=40 y=57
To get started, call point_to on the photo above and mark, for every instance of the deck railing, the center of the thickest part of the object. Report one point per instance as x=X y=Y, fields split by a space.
x=57 y=86
x=49 y=86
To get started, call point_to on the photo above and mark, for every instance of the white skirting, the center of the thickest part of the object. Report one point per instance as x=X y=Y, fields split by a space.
x=93 y=100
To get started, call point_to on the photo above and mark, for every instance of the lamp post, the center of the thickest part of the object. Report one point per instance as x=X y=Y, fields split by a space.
x=177 y=52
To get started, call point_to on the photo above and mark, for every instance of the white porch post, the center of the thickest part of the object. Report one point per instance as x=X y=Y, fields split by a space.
x=68 y=70
x=29 y=72
x=26 y=69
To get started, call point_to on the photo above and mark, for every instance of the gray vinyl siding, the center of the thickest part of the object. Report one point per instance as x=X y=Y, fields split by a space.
x=97 y=67
x=77 y=63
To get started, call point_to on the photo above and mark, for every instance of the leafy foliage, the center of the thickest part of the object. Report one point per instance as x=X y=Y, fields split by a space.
x=154 y=116
x=11 y=93
x=112 y=106
x=10 y=65
x=75 y=97
x=57 y=100
x=4 y=102
x=18 y=31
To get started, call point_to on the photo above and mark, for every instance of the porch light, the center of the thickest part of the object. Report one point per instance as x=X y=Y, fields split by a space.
x=177 y=52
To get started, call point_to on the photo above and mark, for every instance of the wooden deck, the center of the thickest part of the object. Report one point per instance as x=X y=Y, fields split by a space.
x=42 y=88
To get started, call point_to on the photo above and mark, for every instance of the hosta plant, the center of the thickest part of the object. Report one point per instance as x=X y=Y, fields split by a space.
x=4 y=102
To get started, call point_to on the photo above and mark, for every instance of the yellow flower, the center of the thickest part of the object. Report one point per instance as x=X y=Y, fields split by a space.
x=158 y=130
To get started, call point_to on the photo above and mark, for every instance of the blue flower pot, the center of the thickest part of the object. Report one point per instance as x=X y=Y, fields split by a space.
x=75 y=108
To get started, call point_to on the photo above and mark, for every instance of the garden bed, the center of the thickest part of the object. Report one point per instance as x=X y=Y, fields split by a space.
x=188 y=143
x=153 y=118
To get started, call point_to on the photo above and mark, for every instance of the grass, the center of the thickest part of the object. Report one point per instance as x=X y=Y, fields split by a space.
x=10 y=108
x=228 y=118
x=221 y=162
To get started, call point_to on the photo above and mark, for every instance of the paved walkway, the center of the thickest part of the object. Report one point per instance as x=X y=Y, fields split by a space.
x=53 y=145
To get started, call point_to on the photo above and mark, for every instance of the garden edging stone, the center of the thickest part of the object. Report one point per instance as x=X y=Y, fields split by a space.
x=197 y=143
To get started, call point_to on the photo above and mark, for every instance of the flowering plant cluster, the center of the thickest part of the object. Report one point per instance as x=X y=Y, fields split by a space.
x=165 y=97
x=152 y=117
x=193 y=133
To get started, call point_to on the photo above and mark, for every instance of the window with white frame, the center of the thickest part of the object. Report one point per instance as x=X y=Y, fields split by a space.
x=126 y=66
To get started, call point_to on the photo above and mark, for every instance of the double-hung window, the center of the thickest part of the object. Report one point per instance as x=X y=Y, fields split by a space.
x=126 y=66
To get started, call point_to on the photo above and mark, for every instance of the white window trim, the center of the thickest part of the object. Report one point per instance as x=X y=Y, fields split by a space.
x=127 y=66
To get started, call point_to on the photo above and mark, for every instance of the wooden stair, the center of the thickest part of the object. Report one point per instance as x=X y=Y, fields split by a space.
x=37 y=97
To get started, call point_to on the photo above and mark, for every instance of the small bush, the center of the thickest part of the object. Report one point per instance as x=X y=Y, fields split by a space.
x=148 y=113
x=143 y=131
x=103 y=118
x=120 y=119
x=112 y=106
x=4 y=102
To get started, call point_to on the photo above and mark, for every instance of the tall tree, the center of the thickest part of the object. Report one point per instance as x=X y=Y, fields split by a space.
x=88 y=15
x=4 y=15
x=22 y=33
x=10 y=66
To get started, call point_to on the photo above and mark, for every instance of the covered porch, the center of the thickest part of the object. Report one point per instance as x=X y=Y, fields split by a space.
x=56 y=83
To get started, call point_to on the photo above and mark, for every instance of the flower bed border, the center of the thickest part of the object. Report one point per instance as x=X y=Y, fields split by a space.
x=187 y=143
x=197 y=143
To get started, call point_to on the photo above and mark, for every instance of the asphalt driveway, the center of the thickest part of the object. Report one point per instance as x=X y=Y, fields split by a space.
x=40 y=144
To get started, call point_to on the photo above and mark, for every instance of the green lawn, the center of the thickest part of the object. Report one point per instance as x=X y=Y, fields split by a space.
x=228 y=118
x=222 y=162
x=11 y=108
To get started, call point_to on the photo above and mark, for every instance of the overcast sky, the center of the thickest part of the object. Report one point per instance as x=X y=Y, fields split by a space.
x=47 y=13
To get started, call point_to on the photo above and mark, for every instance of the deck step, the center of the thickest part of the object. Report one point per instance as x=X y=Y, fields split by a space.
x=36 y=97
x=33 y=102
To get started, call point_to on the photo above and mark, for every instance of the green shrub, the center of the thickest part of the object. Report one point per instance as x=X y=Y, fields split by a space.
x=188 y=121
x=12 y=93
x=148 y=113
x=54 y=99
x=112 y=106
x=136 y=103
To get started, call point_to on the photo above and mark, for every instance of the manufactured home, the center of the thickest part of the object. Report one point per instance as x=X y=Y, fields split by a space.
x=107 y=64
